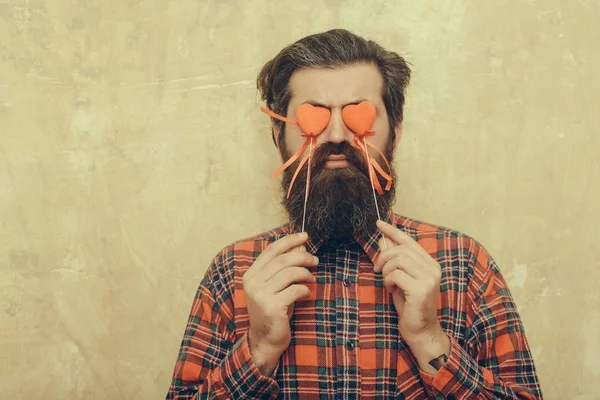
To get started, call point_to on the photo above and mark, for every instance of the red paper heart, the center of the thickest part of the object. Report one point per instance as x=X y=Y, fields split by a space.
x=359 y=117
x=313 y=120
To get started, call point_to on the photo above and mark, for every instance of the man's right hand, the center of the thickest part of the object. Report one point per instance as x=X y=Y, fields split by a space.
x=272 y=286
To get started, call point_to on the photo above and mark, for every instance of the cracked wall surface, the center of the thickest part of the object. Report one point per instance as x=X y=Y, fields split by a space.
x=132 y=150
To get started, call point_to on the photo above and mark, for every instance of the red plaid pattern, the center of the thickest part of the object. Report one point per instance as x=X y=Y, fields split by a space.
x=345 y=340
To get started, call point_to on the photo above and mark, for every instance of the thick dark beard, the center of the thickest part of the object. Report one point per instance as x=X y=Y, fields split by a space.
x=340 y=202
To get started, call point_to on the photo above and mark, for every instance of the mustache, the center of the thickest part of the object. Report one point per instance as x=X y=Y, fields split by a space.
x=353 y=155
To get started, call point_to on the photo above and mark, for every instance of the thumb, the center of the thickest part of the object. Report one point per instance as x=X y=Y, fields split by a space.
x=302 y=247
x=385 y=242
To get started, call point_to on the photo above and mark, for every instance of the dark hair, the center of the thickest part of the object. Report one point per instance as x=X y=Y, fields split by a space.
x=333 y=49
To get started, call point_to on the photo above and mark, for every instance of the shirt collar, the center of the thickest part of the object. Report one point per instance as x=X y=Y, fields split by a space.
x=369 y=243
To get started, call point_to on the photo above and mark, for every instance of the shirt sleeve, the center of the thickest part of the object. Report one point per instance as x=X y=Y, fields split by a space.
x=496 y=361
x=212 y=363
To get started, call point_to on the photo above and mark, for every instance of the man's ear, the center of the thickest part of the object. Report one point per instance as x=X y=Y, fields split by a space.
x=275 y=131
x=398 y=132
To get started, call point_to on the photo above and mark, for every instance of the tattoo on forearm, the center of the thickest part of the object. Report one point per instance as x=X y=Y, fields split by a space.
x=439 y=361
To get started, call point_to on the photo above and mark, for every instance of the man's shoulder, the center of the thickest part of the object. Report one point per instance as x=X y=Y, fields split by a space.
x=236 y=257
x=462 y=257
x=266 y=236
x=248 y=248
x=440 y=238
x=422 y=228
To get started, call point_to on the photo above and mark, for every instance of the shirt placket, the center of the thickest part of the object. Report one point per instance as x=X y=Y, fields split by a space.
x=347 y=323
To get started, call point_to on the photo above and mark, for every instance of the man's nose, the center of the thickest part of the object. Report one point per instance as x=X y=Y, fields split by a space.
x=336 y=131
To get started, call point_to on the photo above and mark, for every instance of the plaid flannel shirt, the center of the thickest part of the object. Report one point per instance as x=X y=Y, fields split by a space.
x=345 y=340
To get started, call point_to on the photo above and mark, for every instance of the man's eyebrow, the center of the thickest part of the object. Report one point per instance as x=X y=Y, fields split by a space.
x=318 y=104
x=315 y=103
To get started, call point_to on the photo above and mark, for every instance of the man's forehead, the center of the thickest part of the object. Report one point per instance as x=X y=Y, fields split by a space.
x=339 y=86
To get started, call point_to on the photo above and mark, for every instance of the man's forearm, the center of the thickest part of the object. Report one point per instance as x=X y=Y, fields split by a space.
x=429 y=347
x=265 y=361
x=266 y=367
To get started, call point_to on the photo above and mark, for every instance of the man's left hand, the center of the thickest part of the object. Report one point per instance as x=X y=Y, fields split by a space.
x=413 y=277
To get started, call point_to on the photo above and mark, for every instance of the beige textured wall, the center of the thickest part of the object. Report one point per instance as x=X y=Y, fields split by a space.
x=132 y=150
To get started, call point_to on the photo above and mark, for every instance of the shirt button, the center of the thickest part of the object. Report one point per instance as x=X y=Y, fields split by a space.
x=350 y=345
x=347 y=282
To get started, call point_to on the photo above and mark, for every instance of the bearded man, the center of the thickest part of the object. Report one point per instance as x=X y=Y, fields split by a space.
x=365 y=303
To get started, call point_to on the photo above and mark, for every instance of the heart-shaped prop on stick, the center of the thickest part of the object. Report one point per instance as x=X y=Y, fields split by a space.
x=312 y=120
x=359 y=118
